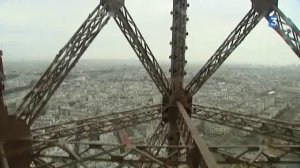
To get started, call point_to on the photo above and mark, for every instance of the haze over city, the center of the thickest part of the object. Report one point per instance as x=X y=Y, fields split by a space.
x=37 y=30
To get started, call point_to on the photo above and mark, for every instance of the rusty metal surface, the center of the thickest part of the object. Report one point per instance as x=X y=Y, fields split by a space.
x=63 y=63
x=268 y=127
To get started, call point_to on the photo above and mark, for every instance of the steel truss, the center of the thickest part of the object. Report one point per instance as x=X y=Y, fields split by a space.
x=64 y=61
x=235 y=38
x=176 y=141
x=101 y=124
x=142 y=50
x=258 y=156
x=96 y=152
x=268 y=127
x=287 y=30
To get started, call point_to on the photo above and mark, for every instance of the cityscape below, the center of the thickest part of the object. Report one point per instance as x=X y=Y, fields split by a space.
x=96 y=88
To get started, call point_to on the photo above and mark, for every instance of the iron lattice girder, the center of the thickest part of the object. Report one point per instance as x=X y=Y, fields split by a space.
x=158 y=138
x=287 y=30
x=102 y=152
x=267 y=127
x=178 y=42
x=142 y=50
x=96 y=151
x=255 y=155
x=229 y=45
x=64 y=61
x=189 y=133
x=258 y=156
x=100 y=124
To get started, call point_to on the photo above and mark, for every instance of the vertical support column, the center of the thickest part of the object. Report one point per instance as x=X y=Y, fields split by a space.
x=178 y=62
x=178 y=43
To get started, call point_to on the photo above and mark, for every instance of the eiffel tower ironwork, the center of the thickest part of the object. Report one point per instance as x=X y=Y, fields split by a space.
x=176 y=142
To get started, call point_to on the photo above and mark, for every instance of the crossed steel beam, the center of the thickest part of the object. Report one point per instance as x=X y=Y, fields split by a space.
x=236 y=120
x=198 y=152
x=69 y=55
x=111 y=122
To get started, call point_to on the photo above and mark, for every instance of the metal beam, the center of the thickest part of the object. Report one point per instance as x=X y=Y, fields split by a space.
x=287 y=30
x=142 y=50
x=178 y=43
x=159 y=138
x=188 y=130
x=229 y=45
x=267 y=127
x=258 y=155
x=105 y=153
x=65 y=60
x=101 y=124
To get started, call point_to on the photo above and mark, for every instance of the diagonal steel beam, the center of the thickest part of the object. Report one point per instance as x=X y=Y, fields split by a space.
x=235 y=38
x=287 y=30
x=100 y=124
x=267 y=127
x=142 y=50
x=189 y=131
x=65 y=60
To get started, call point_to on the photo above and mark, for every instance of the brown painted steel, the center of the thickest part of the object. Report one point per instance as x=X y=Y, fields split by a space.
x=63 y=63
x=21 y=146
x=235 y=38
x=142 y=50
x=101 y=124
x=188 y=130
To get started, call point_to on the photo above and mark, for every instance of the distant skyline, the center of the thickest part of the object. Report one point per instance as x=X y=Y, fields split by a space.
x=38 y=29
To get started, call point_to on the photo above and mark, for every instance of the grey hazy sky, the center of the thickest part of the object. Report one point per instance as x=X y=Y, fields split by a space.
x=37 y=29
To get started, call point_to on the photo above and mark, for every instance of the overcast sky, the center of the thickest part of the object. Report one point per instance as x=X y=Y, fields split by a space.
x=37 y=29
